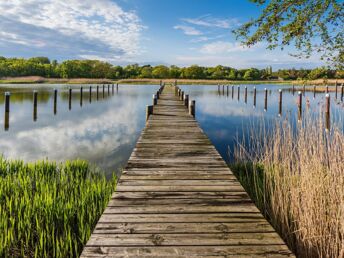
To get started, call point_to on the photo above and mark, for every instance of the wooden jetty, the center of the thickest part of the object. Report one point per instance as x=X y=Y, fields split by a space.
x=178 y=198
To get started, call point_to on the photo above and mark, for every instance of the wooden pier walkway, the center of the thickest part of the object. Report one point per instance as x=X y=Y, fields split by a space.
x=177 y=198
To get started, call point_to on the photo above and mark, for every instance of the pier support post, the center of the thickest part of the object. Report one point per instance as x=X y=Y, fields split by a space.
x=70 y=99
x=314 y=90
x=299 y=103
x=192 y=107
x=245 y=94
x=155 y=100
x=280 y=103
x=254 y=96
x=7 y=101
x=327 y=112
x=182 y=96
x=90 y=94
x=35 y=94
x=266 y=99
x=293 y=89
x=336 y=89
x=341 y=92
x=186 y=100
x=81 y=93
x=55 y=101
x=149 y=111
x=326 y=88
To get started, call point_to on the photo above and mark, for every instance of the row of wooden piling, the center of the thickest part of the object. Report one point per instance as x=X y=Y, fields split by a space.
x=35 y=100
x=190 y=104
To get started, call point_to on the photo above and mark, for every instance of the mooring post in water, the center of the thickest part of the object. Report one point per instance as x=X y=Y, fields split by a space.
x=314 y=90
x=326 y=88
x=266 y=99
x=103 y=91
x=117 y=87
x=7 y=111
x=238 y=92
x=155 y=100
x=149 y=111
x=254 y=96
x=70 y=98
x=336 y=86
x=327 y=112
x=35 y=94
x=81 y=93
x=97 y=92
x=218 y=89
x=223 y=90
x=7 y=101
x=299 y=104
x=108 y=89
x=232 y=91
x=192 y=107
x=280 y=103
x=55 y=101
x=90 y=94
x=293 y=89
x=186 y=100
x=304 y=89
x=341 y=92
x=113 y=89
x=175 y=83
x=245 y=94
x=227 y=90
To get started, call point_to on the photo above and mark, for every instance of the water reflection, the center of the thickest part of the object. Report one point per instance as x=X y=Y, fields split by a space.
x=104 y=132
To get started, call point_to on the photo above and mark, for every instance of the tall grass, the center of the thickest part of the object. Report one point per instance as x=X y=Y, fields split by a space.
x=296 y=177
x=49 y=209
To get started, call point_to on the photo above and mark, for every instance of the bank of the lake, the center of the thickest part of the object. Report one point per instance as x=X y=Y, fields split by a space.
x=49 y=209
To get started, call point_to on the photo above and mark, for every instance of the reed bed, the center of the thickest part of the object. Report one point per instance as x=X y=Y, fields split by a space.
x=295 y=174
x=49 y=209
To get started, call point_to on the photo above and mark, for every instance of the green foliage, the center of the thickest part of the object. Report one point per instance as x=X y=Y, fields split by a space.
x=41 y=66
x=49 y=209
x=311 y=25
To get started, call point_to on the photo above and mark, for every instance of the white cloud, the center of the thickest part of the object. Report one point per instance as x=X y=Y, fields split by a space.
x=188 y=30
x=101 y=23
x=222 y=47
x=209 y=21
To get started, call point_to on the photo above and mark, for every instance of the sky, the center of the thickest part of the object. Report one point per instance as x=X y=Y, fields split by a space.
x=170 y=32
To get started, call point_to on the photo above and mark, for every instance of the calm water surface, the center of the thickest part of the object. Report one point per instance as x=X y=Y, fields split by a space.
x=105 y=131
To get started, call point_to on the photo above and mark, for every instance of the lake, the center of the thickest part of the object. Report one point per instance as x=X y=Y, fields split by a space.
x=105 y=131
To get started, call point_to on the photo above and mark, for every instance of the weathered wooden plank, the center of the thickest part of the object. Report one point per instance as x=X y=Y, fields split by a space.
x=180 y=188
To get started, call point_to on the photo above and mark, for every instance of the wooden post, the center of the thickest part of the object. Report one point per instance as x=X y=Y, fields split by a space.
x=175 y=83
x=117 y=87
x=254 y=96
x=223 y=90
x=186 y=100
x=158 y=94
x=149 y=111
x=280 y=103
x=326 y=88
x=192 y=107
x=7 y=111
x=7 y=101
x=238 y=92
x=97 y=92
x=314 y=90
x=336 y=90
x=327 y=112
x=182 y=95
x=218 y=89
x=103 y=91
x=266 y=99
x=81 y=93
x=341 y=92
x=55 y=101
x=108 y=89
x=113 y=89
x=299 y=103
x=245 y=94
x=155 y=100
x=232 y=91
x=227 y=90
x=293 y=89
x=35 y=94
x=304 y=90
x=70 y=99
x=90 y=94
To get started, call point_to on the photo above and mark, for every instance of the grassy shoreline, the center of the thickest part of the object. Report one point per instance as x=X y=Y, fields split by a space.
x=49 y=209
x=42 y=80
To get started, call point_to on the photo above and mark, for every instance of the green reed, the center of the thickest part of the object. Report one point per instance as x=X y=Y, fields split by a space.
x=49 y=209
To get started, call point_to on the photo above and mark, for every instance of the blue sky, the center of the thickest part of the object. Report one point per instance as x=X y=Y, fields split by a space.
x=180 y=32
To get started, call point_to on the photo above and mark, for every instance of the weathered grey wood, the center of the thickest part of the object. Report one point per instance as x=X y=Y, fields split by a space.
x=177 y=197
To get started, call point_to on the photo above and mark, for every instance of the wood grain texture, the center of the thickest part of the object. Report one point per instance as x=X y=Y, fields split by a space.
x=177 y=198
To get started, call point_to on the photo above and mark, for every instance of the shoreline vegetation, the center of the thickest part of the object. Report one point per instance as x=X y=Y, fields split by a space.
x=295 y=177
x=145 y=81
x=49 y=209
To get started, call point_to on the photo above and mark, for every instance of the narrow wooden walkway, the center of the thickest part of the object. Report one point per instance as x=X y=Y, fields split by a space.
x=177 y=198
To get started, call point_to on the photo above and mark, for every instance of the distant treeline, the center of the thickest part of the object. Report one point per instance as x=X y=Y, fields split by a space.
x=42 y=66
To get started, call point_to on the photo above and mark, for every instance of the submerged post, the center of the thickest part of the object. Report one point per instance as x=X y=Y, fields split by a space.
x=149 y=111
x=327 y=112
x=70 y=99
x=280 y=103
x=35 y=94
x=55 y=101
x=245 y=94
x=266 y=99
x=192 y=107
x=90 y=94
x=299 y=103
x=254 y=96
x=81 y=93
x=186 y=100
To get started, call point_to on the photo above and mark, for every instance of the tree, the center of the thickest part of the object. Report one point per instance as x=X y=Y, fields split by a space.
x=193 y=72
x=311 y=25
x=146 y=72
x=161 y=72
